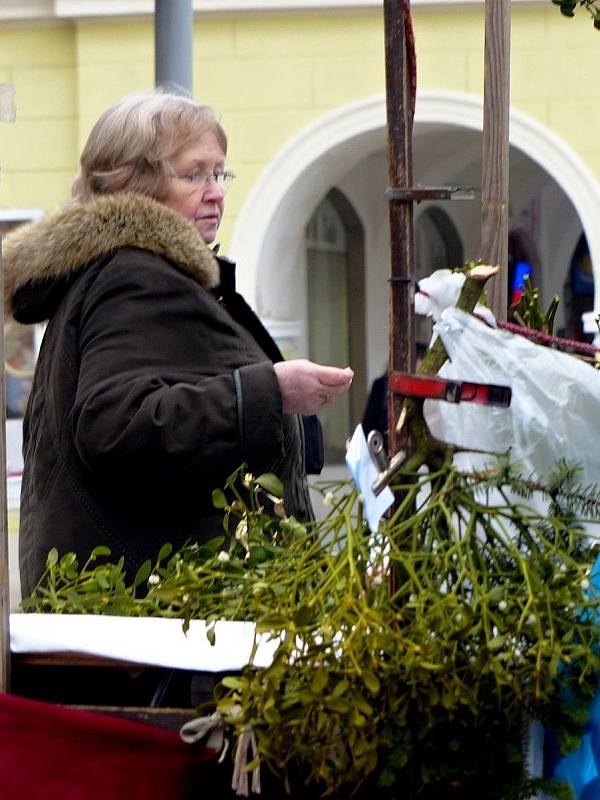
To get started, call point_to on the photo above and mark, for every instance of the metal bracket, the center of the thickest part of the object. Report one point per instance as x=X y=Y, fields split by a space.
x=418 y=193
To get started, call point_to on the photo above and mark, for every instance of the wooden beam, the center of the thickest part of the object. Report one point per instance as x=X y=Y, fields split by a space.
x=495 y=156
x=170 y=719
x=399 y=128
x=7 y=114
x=4 y=570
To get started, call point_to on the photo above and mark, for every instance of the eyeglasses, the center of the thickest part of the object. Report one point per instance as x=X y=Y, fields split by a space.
x=200 y=180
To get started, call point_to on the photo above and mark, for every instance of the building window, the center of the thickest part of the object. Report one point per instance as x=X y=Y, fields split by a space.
x=437 y=246
x=579 y=292
x=336 y=310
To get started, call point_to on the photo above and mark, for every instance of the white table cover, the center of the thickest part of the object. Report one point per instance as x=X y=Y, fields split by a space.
x=145 y=640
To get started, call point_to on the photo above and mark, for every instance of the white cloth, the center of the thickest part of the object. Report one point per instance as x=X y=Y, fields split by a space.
x=145 y=640
x=364 y=473
x=555 y=398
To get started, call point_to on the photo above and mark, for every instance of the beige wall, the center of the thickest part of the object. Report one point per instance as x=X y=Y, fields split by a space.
x=38 y=152
x=271 y=74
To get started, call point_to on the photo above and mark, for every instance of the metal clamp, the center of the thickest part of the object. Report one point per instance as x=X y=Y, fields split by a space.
x=387 y=467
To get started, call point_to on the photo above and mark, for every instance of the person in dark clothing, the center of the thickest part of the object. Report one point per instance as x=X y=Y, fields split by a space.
x=375 y=416
x=155 y=379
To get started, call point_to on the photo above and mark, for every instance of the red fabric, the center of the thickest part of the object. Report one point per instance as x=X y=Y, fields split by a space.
x=52 y=753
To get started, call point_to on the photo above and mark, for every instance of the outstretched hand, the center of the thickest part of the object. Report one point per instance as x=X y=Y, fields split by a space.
x=307 y=387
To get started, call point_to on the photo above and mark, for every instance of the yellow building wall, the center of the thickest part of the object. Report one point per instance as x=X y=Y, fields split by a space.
x=38 y=152
x=271 y=74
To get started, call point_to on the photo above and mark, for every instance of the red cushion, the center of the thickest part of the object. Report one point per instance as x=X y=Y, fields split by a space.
x=55 y=753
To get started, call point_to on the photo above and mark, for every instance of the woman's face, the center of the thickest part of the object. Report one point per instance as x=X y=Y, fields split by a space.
x=190 y=192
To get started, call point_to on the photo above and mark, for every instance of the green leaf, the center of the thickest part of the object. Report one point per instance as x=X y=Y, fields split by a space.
x=497 y=643
x=231 y=682
x=258 y=555
x=271 y=715
x=165 y=551
x=214 y=544
x=218 y=498
x=303 y=616
x=210 y=635
x=74 y=598
x=567 y=7
x=361 y=704
x=204 y=553
x=337 y=704
x=252 y=764
x=371 y=681
x=143 y=573
x=101 y=550
x=103 y=581
x=270 y=622
x=52 y=558
x=270 y=483
x=340 y=688
x=68 y=560
x=319 y=680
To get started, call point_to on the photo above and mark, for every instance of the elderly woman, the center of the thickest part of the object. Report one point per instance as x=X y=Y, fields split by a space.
x=155 y=379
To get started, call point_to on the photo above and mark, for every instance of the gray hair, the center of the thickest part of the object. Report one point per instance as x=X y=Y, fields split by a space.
x=129 y=147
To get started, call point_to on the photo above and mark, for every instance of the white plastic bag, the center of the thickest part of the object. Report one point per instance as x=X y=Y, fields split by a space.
x=555 y=406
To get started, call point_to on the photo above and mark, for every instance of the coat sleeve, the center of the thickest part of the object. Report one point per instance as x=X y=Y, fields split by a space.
x=167 y=381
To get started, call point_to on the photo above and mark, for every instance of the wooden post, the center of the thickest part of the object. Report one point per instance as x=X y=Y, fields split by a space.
x=399 y=127
x=7 y=114
x=495 y=156
x=4 y=570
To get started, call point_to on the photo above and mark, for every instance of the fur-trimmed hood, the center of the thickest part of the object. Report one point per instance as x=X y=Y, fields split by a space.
x=57 y=246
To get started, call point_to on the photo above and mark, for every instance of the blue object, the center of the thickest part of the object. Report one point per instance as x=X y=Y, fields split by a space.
x=522 y=270
x=581 y=768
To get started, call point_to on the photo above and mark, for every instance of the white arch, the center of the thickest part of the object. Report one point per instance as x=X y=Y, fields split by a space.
x=292 y=179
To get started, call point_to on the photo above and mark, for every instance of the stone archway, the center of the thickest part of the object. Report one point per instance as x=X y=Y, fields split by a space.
x=271 y=222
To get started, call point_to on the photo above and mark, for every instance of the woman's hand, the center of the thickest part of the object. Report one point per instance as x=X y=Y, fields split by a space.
x=307 y=387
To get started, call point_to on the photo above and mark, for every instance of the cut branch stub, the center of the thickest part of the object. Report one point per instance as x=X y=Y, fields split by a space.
x=426 y=448
x=472 y=289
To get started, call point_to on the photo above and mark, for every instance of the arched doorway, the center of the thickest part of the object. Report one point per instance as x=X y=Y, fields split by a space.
x=437 y=242
x=346 y=148
x=335 y=272
x=578 y=291
x=437 y=246
x=523 y=260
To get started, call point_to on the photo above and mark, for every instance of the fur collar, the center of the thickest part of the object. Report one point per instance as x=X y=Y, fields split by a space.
x=60 y=244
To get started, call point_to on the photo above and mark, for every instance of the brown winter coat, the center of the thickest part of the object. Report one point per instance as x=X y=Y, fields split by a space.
x=153 y=384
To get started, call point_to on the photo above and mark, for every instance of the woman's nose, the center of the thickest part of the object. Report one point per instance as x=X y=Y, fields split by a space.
x=213 y=191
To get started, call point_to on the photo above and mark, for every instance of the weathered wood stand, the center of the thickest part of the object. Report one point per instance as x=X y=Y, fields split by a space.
x=402 y=195
x=401 y=82
x=4 y=571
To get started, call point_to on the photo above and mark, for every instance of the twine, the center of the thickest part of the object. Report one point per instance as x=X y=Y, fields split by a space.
x=548 y=339
x=239 y=782
x=213 y=727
